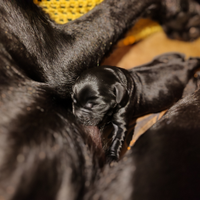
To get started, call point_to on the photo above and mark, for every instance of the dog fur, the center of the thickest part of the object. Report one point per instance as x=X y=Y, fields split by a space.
x=42 y=145
x=113 y=95
x=163 y=163
x=45 y=154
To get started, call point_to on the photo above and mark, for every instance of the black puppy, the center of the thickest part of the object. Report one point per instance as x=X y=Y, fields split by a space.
x=111 y=94
x=42 y=147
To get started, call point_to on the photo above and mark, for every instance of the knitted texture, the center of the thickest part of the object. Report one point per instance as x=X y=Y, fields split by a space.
x=63 y=11
x=142 y=29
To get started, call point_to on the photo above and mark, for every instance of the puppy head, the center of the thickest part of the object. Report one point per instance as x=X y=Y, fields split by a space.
x=96 y=94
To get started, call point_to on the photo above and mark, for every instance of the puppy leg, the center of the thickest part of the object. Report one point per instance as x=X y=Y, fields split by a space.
x=121 y=135
x=120 y=130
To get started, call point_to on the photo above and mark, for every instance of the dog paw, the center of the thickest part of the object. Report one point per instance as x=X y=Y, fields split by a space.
x=182 y=22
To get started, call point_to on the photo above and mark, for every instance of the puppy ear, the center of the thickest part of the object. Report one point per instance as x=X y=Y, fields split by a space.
x=119 y=92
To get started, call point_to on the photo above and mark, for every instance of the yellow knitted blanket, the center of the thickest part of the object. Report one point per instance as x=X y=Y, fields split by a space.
x=63 y=11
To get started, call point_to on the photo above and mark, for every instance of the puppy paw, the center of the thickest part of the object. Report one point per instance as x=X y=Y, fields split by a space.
x=110 y=159
x=114 y=151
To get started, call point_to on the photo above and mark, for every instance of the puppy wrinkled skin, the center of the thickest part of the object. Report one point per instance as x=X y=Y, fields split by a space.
x=44 y=152
x=110 y=94
x=42 y=146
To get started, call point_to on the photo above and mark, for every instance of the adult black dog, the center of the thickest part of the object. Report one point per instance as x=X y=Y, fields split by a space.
x=42 y=147
x=113 y=95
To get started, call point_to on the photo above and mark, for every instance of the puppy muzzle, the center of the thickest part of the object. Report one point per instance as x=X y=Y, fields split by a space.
x=87 y=118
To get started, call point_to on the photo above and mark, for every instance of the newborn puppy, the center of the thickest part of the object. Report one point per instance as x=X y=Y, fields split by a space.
x=42 y=148
x=111 y=94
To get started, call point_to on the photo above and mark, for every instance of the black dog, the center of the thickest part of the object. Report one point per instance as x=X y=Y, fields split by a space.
x=163 y=163
x=111 y=94
x=42 y=147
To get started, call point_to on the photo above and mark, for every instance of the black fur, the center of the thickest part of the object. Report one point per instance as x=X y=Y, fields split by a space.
x=183 y=25
x=42 y=146
x=44 y=153
x=113 y=95
x=164 y=162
